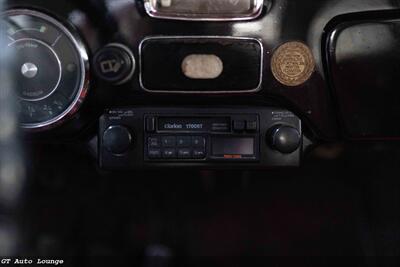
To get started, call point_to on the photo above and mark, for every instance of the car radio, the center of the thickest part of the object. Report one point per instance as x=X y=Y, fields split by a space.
x=199 y=138
x=217 y=137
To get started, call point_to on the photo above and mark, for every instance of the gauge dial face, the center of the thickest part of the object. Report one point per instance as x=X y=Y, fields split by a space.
x=48 y=66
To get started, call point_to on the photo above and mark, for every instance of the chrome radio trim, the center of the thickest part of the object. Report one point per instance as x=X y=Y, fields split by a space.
x=255 y=90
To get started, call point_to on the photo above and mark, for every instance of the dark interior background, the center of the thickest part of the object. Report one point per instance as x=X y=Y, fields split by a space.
x=341 y=207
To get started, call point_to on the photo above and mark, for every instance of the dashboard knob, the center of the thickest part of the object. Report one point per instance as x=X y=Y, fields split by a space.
x=114 y=63
x=117 y=139
x=285 y=139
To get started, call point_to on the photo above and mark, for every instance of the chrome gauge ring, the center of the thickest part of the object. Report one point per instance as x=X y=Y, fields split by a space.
x=49 y=67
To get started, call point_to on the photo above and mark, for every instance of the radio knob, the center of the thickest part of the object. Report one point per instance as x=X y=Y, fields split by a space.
x=285 y=139
x=117 y=139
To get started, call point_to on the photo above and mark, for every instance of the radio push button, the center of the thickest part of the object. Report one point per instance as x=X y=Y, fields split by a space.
x=239 y=125
x=198 y=141
x=199 y=153
x=183 y=141
x=154 y=142
x=169 y=153
x=168 y=141
x=154 y=153
x=184 y=153
x=251 y=126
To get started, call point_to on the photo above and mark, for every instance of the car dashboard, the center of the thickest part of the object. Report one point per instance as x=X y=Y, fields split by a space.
x=263 y=76
x=185 y=94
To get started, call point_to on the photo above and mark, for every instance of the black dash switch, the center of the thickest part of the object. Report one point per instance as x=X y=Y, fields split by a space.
x=114 y=63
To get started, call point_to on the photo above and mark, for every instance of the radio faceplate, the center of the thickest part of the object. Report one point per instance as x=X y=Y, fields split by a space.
x=132 y=138
x=202 y=138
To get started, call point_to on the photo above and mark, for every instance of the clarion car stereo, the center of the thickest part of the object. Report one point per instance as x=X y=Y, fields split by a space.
x=214 y=137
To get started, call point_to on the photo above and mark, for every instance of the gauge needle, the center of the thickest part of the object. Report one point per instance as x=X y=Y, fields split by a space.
x=58 y=38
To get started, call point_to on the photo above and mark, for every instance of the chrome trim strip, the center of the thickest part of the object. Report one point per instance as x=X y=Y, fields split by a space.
x=152 y=12
x=84 y=65
x=257 y=89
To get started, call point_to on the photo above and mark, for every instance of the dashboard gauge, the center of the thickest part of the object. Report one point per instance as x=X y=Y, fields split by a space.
x=207 y=10
x=49 y=66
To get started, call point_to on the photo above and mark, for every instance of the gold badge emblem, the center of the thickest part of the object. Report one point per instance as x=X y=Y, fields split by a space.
x=292 y=64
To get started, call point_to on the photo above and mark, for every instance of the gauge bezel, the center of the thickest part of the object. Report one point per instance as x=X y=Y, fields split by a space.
x=83 y=54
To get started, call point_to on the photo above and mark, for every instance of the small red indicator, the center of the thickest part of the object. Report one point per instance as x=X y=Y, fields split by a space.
x=232 y=156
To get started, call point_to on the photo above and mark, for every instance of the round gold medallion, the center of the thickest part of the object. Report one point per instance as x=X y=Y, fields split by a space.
x=293 y=63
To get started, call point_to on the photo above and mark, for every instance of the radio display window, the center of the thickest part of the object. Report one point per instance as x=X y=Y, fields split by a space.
x=199 y=124
x=243 y=146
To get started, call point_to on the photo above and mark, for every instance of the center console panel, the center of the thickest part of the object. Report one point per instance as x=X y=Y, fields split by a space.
x=261 y=137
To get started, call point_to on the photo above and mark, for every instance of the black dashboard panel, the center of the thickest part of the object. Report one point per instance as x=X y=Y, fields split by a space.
x=99 y=23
